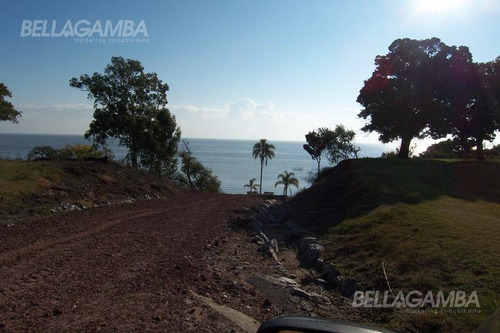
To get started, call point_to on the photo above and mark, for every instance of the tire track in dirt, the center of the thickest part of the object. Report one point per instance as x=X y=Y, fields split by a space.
x=128 y=272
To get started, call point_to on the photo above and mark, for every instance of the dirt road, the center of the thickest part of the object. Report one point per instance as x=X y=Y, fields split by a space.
x=119 y=268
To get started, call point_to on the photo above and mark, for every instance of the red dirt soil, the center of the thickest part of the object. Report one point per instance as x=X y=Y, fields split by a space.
x=118 y=268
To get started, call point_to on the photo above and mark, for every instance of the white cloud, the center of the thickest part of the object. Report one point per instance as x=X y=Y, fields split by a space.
x=204 y=112
x=56 y=107
x=246 y=109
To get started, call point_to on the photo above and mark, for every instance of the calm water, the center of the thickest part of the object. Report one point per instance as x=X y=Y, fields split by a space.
x=230 y=160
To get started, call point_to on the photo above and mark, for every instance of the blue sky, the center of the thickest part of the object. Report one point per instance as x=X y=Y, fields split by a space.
x=236 y=69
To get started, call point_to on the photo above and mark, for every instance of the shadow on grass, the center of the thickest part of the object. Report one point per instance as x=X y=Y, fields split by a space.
x=355 y=187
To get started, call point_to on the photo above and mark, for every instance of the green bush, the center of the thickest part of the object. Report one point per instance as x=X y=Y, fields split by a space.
x=69 y=152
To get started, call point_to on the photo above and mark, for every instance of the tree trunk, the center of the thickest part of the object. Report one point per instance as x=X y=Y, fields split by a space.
x=261 y=168
x=404 y=150
x=479 y=149
x=133 y=156
x=319 y=161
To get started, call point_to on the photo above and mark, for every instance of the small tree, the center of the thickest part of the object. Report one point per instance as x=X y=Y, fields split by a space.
x=263 y=151
x=42 y=153
x=340 y=145
x=251 y=185
x=316 y=145
x=446 y=149
x=194 y=174
x=7 y=111
x=287 y=179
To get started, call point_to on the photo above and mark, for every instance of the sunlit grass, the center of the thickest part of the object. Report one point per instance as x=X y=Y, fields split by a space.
x=434 y=224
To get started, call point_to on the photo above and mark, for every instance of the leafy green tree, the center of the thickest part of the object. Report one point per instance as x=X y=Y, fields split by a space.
x=287 y=179
x=160 y=145
x=402 y=97
x=195 y=174
x=263 y=151
x=7 y=111
x=444 y=149
x=42 y=153
x=336 y=144
x=129 y=105
x=316 y=145
x=251 y=185
x=474 y=101
x=340 y=144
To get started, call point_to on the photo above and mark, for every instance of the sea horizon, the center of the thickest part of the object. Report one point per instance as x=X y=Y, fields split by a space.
x=230 y=160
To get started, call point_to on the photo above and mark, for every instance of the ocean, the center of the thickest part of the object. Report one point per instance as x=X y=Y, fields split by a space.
x=230 y=160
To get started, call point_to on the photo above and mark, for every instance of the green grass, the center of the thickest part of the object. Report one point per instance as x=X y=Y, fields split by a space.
x=434 y=224
x=20 y=179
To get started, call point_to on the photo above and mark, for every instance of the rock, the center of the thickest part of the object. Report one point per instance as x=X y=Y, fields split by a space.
x=347 y=287
x=288 y=281
x=318 y=265
x=306 y=306
x=308 y=253
x=258 y=240
x=307 y=240
x=263 y=236
x=300 y=293
x=329 y=272
x=320 y=282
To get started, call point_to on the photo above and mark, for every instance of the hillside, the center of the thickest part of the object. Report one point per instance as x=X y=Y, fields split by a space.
x=37 y=188
x=434 y=225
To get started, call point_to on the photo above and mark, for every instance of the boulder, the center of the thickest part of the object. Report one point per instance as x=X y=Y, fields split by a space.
x=329 y=272
x=308 y=253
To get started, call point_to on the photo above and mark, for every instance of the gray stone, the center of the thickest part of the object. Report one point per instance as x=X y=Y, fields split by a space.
x=347 y=287
x=300 y=293
x=329 y=272
x=308 y=253
x=306 y=306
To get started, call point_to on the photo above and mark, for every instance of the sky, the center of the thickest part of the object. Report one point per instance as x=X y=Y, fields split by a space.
x=236 y=69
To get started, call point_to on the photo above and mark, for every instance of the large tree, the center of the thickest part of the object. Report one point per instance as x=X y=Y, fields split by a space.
x=400 y=99
x=160 y=144
x=262 y=150
x=7 y=111
x=129 y=105
x=475 y=112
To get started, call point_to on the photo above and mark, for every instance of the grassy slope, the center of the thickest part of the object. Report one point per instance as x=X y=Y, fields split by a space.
x=19 y=179
x=434 y=224
x=29 y=189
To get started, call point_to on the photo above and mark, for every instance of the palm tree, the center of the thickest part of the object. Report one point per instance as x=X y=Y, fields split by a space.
x=251 y=185
x=263 y=150
x=287 y=179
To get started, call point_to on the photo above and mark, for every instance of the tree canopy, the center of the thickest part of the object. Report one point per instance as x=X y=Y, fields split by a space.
x=401 y=95
x=7 y=111
x=337 y=144
x=427 y=88
x=195 y=174
x=130 y=105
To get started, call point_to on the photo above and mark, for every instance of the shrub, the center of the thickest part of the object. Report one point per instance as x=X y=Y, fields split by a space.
x=69 y=152
x=42 y=153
